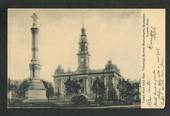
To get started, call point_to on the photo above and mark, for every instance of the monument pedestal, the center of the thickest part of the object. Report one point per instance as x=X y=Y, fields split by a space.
x=36 y=92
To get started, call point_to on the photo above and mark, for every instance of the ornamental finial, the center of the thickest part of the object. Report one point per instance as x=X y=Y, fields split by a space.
x=83 y=31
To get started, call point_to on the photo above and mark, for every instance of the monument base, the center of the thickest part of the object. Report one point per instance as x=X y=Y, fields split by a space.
x=36 y=92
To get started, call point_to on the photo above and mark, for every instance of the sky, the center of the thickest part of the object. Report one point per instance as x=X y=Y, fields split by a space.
x=112 y=34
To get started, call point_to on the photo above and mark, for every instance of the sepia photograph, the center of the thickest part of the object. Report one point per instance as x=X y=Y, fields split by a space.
x=76 y=58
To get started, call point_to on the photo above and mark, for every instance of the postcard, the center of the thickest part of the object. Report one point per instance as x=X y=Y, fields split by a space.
x=86 y=58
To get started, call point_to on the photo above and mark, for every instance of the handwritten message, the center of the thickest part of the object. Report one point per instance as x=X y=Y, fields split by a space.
x=153 y=59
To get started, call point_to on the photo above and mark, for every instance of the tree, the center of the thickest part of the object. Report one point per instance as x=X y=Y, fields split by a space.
x=23 y=88
x=72 y=87
x=11 y=86
x=11 y=89
x=98 y=89
x=127 y=91
x=8 y=85
x=136 y=92
x=49 y=89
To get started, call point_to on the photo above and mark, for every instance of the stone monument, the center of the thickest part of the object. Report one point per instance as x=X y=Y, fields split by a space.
x=36 y=91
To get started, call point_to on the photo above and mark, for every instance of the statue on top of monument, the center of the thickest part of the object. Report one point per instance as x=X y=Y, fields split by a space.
x=34 y=17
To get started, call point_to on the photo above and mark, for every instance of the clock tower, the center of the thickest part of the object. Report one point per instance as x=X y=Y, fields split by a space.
x=83 y=54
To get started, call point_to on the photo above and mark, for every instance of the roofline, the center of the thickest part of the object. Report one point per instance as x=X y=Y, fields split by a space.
x=86 y=73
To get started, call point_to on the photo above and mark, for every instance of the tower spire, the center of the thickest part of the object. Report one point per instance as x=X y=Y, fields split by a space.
x=83 y=54
x=83 y=31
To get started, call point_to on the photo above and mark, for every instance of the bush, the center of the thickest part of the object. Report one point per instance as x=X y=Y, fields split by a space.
x=79 y=100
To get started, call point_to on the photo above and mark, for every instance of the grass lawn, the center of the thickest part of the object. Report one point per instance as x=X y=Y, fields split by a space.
x=69 y=105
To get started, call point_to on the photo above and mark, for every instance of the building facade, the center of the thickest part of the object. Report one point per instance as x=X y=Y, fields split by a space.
x=110 y=74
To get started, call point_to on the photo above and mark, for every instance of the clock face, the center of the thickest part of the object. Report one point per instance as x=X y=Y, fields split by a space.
x=82 y=59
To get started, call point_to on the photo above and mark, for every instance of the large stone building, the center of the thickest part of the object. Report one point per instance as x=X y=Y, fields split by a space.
x=110 y=74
